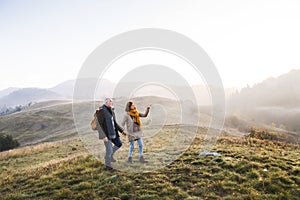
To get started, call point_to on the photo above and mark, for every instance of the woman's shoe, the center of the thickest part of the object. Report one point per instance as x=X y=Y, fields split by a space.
x=112 y=159
x=142 y=160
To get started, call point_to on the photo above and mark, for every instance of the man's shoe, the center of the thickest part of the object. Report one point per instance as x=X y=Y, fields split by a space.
x=142 y=160
x=112 y=159
x=108 y=168
x=130 y=160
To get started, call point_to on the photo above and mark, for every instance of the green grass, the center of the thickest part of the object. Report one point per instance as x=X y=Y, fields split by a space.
x=260 y=169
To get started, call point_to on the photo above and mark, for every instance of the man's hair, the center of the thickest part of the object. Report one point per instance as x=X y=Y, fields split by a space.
x=107 y=100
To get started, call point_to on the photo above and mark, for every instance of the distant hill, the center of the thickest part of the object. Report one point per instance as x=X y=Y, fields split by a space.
x=274 y=101
x=8 y=91
x=283 y=91
x=86 y=91
x=66 y=89
x=26 y=95
x=12 y=97
x=197 y=94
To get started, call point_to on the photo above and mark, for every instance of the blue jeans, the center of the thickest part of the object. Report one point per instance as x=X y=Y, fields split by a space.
x=110 y=149
x=131 y=148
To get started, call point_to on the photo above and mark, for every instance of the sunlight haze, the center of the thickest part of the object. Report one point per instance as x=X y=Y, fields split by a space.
x=44 y=43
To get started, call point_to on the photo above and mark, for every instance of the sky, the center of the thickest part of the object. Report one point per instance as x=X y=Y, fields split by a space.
x=43 y=43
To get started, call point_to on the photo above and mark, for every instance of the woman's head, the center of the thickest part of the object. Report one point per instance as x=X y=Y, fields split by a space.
x=129 y=106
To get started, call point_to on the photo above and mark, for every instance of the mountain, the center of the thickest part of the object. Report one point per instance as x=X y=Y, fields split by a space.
x=85 y=88
x=8 y=91
x=64 y=89
x=196 y=94
x=12 y=97
x=283 y=91
x=91 y=88
x=272 y=94
x=274 y=101
x=27 y=95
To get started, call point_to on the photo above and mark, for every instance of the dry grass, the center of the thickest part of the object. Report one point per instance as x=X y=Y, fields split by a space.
x=30 y=149
x=248 y=168
x=260 y=169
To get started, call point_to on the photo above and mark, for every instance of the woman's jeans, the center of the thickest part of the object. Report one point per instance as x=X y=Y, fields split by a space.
x=110 y=149
x=131 y=148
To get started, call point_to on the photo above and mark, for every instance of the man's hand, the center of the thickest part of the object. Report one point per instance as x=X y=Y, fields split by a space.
x=124 y=133
x=105 y=139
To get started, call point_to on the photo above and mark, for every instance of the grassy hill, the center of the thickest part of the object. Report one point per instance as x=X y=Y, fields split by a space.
x=53 y=163
x=53 y=120
x=51 y=123
x=248 y=168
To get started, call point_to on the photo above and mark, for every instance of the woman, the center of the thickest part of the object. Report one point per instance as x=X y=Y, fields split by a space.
x=134 y=132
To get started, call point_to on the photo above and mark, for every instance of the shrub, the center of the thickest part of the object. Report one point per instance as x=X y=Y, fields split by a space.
x=7 y=142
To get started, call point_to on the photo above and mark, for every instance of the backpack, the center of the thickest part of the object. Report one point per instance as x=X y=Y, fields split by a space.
x=96 y=126
x=94 y=122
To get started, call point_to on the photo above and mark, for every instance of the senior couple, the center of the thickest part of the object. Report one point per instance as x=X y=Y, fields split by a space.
x=109 y=128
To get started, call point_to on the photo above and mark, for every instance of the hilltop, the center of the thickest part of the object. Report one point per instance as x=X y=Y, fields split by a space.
x=53 y=120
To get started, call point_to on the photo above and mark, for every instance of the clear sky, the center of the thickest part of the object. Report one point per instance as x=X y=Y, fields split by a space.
x=43 y=43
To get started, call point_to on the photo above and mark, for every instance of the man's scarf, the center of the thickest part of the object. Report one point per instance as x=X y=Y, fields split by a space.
x=136 y=116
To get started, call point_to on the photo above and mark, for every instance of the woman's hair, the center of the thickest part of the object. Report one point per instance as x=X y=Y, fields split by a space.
x=128 y=105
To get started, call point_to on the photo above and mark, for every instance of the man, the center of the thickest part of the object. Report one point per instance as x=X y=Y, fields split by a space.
x=108 y=131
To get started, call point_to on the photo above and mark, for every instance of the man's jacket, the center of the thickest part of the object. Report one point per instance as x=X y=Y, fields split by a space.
x=108 y=124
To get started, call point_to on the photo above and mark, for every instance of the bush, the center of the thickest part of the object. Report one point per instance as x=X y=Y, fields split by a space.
x=7 y=142
x=260 y=134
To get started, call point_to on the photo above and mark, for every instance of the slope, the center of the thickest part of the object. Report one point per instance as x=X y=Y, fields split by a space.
x=246 y=169
x=53 y=120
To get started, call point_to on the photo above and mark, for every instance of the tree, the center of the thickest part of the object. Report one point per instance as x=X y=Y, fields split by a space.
x=7 y=142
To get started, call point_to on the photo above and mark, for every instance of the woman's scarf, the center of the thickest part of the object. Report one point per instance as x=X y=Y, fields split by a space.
x=136 y=116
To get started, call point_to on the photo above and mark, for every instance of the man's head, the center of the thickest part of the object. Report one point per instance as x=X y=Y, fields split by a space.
x=108 y=102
